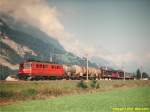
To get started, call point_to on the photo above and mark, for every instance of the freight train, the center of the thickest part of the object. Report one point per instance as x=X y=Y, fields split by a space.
x=38 y=70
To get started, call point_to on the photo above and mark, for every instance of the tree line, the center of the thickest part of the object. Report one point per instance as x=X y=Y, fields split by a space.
x=140 y=74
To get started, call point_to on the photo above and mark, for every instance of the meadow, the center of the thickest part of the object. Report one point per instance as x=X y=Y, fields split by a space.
x=66 y=96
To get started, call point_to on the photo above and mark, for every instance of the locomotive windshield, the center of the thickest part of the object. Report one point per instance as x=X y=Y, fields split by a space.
x=21 y=66
x=27 y=65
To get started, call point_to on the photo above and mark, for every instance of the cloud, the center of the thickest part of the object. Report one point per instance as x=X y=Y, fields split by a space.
x=35 y=12
x=122 y=58
x=39 y=14
x=130 y=61
x=126 y=59
x=118 y=59
x=148 y=55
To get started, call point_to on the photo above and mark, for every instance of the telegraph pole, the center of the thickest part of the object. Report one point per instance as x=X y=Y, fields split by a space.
x=124 y=73
x=53 y=57
x=87 y=78
x=50 y=57
x=141 y=73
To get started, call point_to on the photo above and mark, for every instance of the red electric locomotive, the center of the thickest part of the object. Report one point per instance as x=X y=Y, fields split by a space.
x=40 y=70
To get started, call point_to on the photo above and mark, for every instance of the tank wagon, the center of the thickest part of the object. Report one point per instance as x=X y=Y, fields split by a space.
x=78 y=72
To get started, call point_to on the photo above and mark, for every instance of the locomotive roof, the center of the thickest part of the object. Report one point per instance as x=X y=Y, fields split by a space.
x=40 y=61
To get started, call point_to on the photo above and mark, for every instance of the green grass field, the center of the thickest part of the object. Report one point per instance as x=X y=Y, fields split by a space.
x=95 y=102
x=65 y=96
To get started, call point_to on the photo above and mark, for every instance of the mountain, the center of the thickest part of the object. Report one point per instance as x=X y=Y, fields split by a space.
x=20 y=41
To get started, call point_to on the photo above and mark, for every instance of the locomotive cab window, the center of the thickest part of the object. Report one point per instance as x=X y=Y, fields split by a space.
x=27 y=65
x=21 y=66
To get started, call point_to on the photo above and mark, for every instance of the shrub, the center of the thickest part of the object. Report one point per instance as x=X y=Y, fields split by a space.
x=95 y=84
x=82 y=84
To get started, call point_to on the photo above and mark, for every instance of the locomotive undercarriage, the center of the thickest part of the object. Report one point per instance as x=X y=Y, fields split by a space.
x=38 y=77
x=46 y=77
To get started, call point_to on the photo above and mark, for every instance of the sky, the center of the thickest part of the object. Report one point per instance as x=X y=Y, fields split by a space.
x=119 y=30
x=115 y=30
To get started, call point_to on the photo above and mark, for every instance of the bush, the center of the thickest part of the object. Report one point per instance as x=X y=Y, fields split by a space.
x=82 y=84
x=95 y=84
